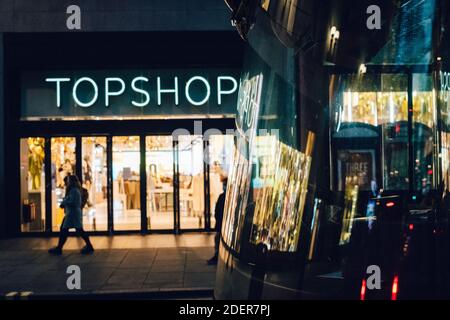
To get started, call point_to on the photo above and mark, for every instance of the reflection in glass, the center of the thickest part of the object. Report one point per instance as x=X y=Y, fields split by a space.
x=63 y=162
x=424 y=120
x=395 y=133
x=220 y=159
x=237 y=195
x=159 y=162
x=32 y=184
x=444 y=116
x=192 y=200
x=370 y=106
x=445 y=153
x=395 y=155
x=280 y=185
x=94 y=179
x=378 y=101
x=126 y=183
x=350 y=202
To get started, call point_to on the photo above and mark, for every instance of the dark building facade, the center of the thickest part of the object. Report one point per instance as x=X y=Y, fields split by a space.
x=343 y=170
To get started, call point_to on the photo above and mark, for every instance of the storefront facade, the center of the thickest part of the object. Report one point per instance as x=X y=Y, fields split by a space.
x=140 y=116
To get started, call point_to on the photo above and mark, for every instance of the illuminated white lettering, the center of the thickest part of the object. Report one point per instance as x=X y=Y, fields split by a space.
x=174 y=90
x=58 y=88
x=74 y=92
x=221 y=92
x=113 y=93
x=141 y=91
x=208 y=91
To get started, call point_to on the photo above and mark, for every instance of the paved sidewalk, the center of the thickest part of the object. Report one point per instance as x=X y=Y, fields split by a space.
x=120 y=264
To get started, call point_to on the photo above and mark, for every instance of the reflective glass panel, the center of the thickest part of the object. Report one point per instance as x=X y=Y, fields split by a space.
x=63 y=164
x=159 y=162
x=32 y=184
x=94 y=179
x=126 y=183
x=192 y=198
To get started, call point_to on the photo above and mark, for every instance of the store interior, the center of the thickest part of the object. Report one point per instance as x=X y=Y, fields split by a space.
x=160 y=153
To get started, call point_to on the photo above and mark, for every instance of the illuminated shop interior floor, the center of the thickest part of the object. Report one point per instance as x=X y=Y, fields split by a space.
x=96 y=219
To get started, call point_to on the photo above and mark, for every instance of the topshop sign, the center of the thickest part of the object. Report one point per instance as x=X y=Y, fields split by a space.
x=128 y=93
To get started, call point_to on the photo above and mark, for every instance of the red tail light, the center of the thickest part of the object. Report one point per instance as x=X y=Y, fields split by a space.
x=363 y=290
x=390 y=204
x=394 y=288
x=411 y=227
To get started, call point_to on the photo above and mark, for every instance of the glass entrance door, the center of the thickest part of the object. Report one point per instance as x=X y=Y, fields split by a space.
x=191 y=182
x=220 y=158
x=126 y=161
x=94 y=179
x=175 y=193
x=160 y=184
x=32 y=184
x=63 y=163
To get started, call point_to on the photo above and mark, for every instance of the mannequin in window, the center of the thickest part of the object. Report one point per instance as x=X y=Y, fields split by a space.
x=35 y=162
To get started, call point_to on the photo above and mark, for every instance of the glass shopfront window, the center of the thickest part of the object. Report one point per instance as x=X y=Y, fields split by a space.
x=373 y=136
x=237 y=192
x=160 y=188
x=370 y=131
x=395 y=131
x=444 y=117
x=32 y=182
x=190 y=166
x=126 y=183
x=63 y=162
x=109 y=167
x=280 y=184
x=372 y=108
x=94 y=179
x=373 y=99
x=424 y=129
x=220 y=160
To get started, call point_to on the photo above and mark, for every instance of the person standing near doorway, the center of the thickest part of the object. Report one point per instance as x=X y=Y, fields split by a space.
x=218 y=213
x=72 y=204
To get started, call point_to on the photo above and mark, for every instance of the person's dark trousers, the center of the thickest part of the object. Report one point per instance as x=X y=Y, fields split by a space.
x=216 y=244
x=64 y=233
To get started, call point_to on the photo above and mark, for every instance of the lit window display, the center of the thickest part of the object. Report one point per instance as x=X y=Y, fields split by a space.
x=375 y=101
x=350 y=202
x=159 y=163
x=126 y=183
x=238 y=200
x=280 y=186
x=374 y=107
x=424 y=131
x=374 y=134
x=445 y=154
x=190 y=166
x=444 y=108
x=94 y=179
x=63 y=164
x=110 y=170
x=220 y=158
x=236 y=196
x=32 y=176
